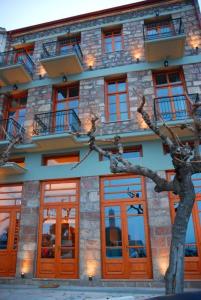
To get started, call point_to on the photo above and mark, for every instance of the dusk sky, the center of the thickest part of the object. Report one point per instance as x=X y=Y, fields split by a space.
x=22 y=13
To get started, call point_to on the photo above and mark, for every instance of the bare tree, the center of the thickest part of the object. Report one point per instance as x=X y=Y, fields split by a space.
x=186 y=161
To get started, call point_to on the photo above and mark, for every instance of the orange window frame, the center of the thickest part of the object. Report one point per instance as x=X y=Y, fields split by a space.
x=67 y=42
x=160 y=25
x=169 y=85
x=67 y=99
x=28 y=50
x=17 y=97
x=62 y=158
x=116 y=94
x=112 y=34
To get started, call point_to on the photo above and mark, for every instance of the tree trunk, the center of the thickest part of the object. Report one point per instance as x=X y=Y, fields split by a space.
x=174 y=276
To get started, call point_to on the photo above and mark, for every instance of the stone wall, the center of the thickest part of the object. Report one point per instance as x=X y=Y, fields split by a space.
x=90 y=251
x=27 y=246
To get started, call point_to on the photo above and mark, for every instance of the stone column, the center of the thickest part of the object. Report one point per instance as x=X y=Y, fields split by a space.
x=27 y=246
x=160 y=228
x=90 y=249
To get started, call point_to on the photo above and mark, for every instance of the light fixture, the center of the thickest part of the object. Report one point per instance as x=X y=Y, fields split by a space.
x=90 y=277
x=157 y=13
x=196 y=49
x=15 y=87
x=137 y=60
x=40 y=76
x=166 y=63
x=64 y=78
x=90 y=68
x=22 y=275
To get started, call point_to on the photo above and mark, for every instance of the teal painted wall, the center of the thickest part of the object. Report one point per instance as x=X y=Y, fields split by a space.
x=153 y=157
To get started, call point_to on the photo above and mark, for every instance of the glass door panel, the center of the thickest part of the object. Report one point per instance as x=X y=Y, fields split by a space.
x=67 y=233
x=4 y=230
x=48 y=233
x=113 y=232
x=136 y=231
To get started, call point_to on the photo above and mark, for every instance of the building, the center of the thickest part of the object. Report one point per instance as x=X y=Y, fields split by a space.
x=84 y=223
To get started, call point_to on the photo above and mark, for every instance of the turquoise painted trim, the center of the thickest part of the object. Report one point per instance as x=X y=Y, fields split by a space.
x=153 y=157
x=105 y=25
x=191 y=59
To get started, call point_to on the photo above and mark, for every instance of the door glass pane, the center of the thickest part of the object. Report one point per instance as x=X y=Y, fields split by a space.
x=48 y=233
x=68 y=233
x=190 y=243
x=4 y=230
x=174 y=77
x=113 y=232
x=136 y=234
x=16 y=233
x=161 y=79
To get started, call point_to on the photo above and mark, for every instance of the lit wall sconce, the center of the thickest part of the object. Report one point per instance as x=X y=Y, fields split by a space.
x=166 y=63
x=157 y=13
x=64 y=78
x=15 y=87
x=137 y=60
x=196 y=49
x=90 y=68
x=90 y=277
x=40 y=76
x=22 y=275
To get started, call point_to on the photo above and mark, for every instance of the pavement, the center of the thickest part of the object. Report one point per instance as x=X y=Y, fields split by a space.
x=32 y=292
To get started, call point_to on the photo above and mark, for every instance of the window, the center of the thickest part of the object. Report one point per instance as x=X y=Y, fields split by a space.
x=66 y=97
x=161 y=28
x=20 y=161
x=170 y=102
x=117 y=107
x=61 y=159
x=113 y=40
x=65 y=44
x=131 y=152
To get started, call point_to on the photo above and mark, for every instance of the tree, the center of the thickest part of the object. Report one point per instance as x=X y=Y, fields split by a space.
x=186 y=162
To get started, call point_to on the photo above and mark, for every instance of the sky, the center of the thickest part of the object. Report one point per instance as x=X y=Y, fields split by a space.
x=21 y=13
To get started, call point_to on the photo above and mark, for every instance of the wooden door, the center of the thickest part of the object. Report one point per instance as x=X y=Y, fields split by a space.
x=10 y=200
x=125 y=242
x=58 y=233
x=192 y=262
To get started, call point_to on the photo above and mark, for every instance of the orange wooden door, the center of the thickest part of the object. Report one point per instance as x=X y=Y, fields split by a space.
x=10 y=200
x=58 y=233
x=192 y=262
x=125 y=242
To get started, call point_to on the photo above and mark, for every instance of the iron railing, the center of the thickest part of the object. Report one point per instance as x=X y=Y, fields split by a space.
x=10 y=129
x=56 y=122
x=16 y=57
x=175 y=108
x=63 y=47
x=163 y=29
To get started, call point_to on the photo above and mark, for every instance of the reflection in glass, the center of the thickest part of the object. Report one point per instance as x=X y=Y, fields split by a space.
x=48 y=233
x=4 y=230
x=68 y=233
x=113 y=232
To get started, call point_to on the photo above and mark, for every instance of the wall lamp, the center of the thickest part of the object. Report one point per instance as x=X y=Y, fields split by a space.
x=90 y=68
x=137 y=60
x=90 y=277
x=157 y=13
x=196 y=49
x=166 y=63
x=22 y=274
x=15 y=87
x=64 y=78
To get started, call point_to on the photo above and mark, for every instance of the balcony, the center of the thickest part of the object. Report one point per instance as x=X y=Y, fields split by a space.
x=59 y=58
x=10 y=129
x=53 y=130
x=16 y=67
x=175 y=108
x=164 y=39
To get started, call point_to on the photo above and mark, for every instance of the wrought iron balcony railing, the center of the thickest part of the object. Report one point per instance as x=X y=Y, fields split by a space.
x=163 y=29
x=56 y=122
x=10 y=129
x=175 y=108
x=63 y=47
x=15 y=57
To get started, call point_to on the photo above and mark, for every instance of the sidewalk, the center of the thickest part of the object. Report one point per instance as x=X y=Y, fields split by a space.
x=29 y=292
